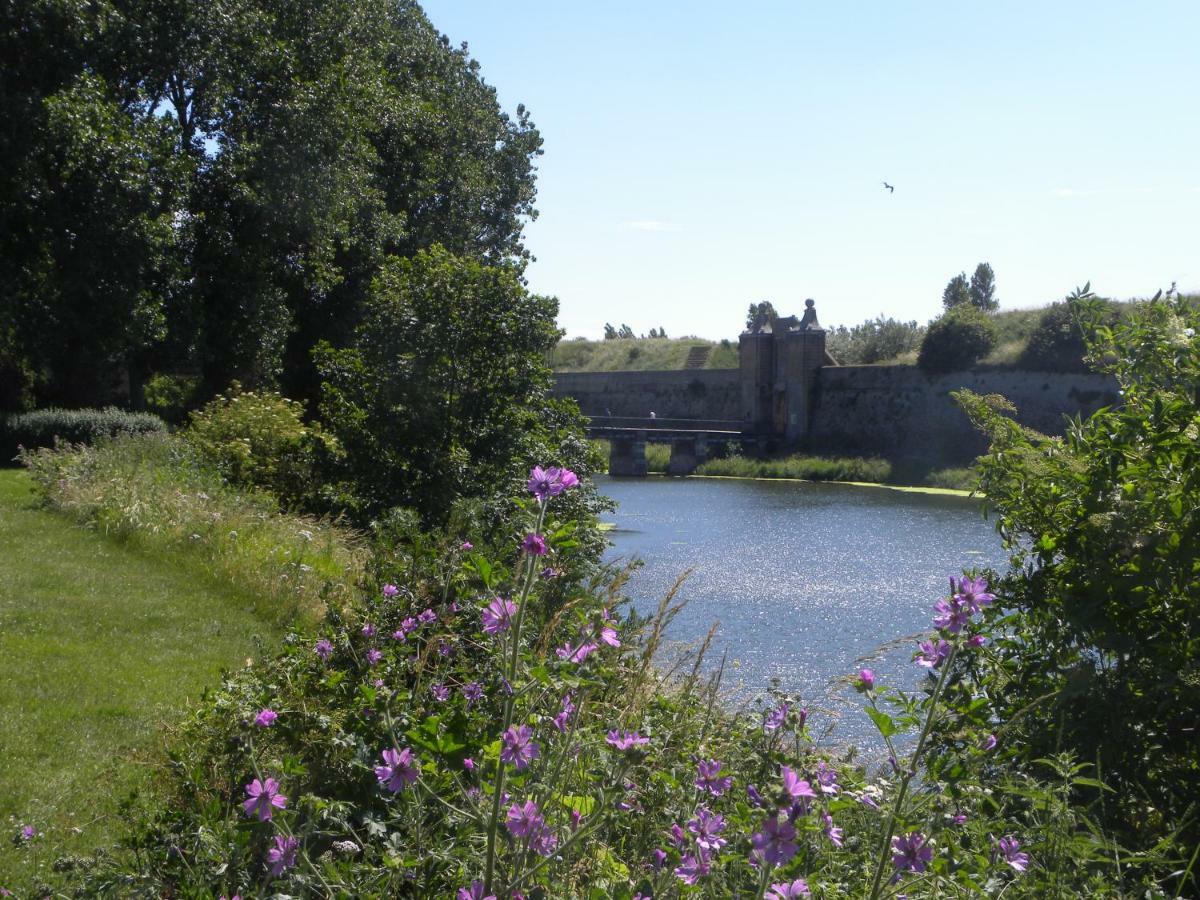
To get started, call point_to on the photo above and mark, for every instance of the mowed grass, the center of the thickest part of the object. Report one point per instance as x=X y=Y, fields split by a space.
x=101 y=645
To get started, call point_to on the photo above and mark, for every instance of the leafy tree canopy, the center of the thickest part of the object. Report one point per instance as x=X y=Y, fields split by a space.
x=214 y=184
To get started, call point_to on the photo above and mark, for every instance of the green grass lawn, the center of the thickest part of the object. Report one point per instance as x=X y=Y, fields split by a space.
x=101 y=646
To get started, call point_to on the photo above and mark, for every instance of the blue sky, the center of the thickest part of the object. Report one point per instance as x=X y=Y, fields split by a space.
x=701 y=155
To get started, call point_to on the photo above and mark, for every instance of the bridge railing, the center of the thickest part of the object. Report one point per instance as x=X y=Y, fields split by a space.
x=658 y=423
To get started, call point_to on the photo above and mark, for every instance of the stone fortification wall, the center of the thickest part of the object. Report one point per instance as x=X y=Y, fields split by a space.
x=683 y=394
x=898 y=411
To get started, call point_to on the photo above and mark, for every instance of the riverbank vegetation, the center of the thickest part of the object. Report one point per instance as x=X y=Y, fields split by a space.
x=488 y=698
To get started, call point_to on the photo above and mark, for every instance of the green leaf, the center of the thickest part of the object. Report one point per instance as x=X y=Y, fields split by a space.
x=885 y=724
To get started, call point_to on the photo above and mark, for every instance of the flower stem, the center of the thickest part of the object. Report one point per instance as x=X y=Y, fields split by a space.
x=907 y=776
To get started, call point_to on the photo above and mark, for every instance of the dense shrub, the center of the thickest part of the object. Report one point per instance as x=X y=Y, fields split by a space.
x=1103 y=656
x=810 y=468
x=172 y=397
x=1057 y=342
x=957 y=339
x=261 y=440
x=875 y=340
x=444 y=390
x=43 y=427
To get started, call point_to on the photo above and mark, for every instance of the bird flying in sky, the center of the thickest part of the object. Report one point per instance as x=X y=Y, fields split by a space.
x=889 y=187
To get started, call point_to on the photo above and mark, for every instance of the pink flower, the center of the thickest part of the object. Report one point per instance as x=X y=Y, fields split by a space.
x=785 y=891
x=475 y=892
x=693 y=867
x=833 y=833
x=519 y=747
x=368 y=630
x=709 y=779
x=866 y=680
x=911 y=852
x=933 y=653
x=525 y=820
x=989 y=743
x=534 y=544
x=626 y=740
x=774 y=842
x=283 y=855
x=263 y=799
x=324 y=649
x=374 y=656
x=794 y=786
x=467 y=545
x=576 y=654
x=400 y=769
x=827 y=778
x=390 y=591
x=266 y=718
x=547 y=483
x=1010 y=850
x=498 y=615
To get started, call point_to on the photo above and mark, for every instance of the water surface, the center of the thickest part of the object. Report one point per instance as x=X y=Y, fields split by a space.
x=805 y=578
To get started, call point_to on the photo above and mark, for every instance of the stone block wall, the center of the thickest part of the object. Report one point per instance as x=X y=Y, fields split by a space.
x=683 y=394
x=899 y=411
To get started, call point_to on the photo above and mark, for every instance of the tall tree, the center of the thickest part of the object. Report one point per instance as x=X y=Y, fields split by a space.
x=957 y=292
x=983 y=288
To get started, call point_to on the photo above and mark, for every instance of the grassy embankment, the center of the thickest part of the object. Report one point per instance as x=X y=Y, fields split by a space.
x=806 y=467
x=639 y=354
x=106 y=639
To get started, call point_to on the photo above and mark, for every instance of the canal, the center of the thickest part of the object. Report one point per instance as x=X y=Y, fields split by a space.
x=806 y=579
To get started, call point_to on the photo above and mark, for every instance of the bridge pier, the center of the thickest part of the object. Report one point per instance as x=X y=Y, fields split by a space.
x=627 y=455
x=687 y=454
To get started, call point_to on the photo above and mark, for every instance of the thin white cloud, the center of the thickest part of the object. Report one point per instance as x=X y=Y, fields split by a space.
x=651 y=225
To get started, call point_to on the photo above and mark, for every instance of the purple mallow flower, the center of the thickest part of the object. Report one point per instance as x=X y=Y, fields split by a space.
x=427 y=617
x=988 y=743
x=498 y=615
x=28 y=833
x=788 y=891
x=525 y=820
x=475 y=892
x=706 y=828
x=952 y=615
x=266 y=718
x=933 y=653
x=973 y=593
x=794 y=787
x=390 y=591
x=827 y=778
x=708 y=777
x=775 y=841
x=400 y=769
x=831 y=831
x=374 y=656
x=324 y=649
x=440 y=692
x=693 y=867
x=911 y=852
x=776 y=717
x=547 y=483
x=626 y=740
x=368 y=630
x=472 y=692
x=564 y=716
x=519 y=747
x=283 y=855
x=534 y=544
x=866 y=680
x=571 y=653
x=263 y=798
x=1011 y=853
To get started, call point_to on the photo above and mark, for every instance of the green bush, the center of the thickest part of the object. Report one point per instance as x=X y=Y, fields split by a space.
x=1057 y=343
x=261 y=440
x=809 y=468
x=45 y=427
x=874 y=341
x=1104 y=527
x=443 y=392
x=956 y=340
x=172 y=396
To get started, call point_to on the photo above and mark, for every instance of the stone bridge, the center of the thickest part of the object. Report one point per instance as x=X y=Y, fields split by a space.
x=689 y=440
